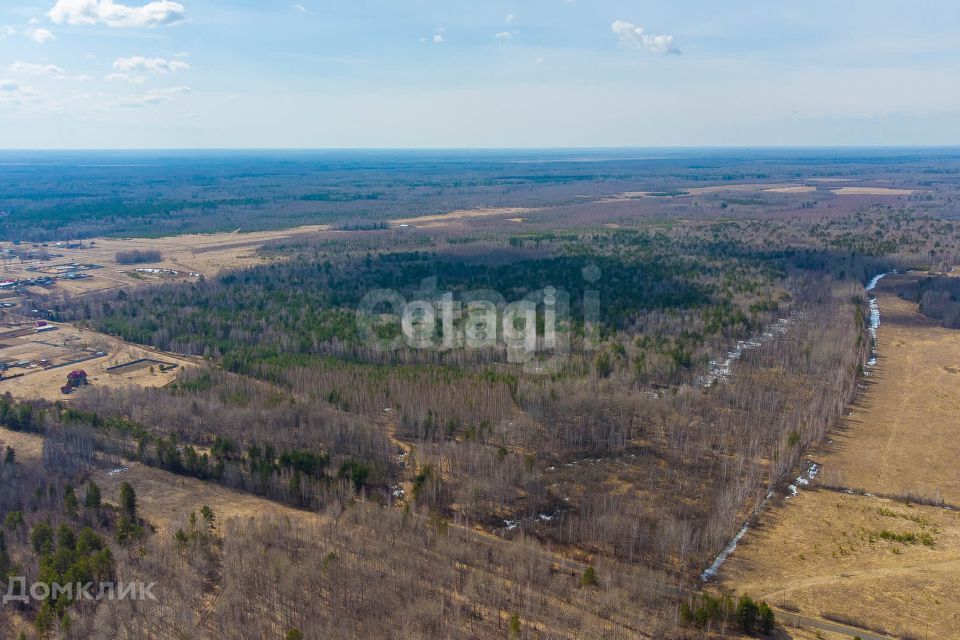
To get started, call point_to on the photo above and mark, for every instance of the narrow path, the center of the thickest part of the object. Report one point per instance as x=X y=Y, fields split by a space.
x=796 y=620
x=905 y=400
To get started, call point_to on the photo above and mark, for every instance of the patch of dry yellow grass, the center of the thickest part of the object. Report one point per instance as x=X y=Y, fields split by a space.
x=45 y=384
x=823 y=552
x=872 y=191
x=902 y=435
x=207 y=254
x=800 y=188
x=164 y=499
x=454 y=217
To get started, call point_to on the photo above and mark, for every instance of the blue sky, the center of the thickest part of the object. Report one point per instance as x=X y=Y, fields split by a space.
x=452 y=73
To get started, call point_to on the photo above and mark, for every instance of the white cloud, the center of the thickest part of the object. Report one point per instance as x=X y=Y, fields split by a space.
x=36 y=69
x=155 y=96
x=40 y=36
x=14 y=94
x=7 y=31
x=503 y=36
x=438 y=38
x=510 y=18
x=155 y=66
x=126 y=77
x=631 y=35
x=110 y=13
x=300 y=8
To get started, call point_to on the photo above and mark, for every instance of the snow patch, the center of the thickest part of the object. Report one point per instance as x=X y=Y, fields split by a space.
x=720 y=370
x=803 y=480
x=874 y=318
x=711 y=571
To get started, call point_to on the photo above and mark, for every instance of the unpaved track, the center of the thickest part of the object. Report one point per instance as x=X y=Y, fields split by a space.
x=789 y=619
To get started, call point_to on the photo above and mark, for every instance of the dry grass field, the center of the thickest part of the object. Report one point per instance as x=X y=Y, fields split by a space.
x=830 y=554
x=872 y=191
x=876 y=562
x=902 y=436
x=783 y=188
x=206 y=254
x=28 y=446
x=74 y=348
x=164 y=499
x=454 y=217
x=799 y=188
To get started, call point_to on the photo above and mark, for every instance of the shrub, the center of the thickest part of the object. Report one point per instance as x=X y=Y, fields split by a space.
x=589 y=578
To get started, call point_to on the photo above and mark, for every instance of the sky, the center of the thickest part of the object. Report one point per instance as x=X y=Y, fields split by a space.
x=78 y=74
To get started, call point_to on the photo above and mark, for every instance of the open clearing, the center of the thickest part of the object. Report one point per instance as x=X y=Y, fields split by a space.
x=190 y=256
x=872 y=191
x=740 y=188
x=800 y=188
x=823 y=553
x=881 y=563
x=696 y=191
x=902 y=436
x=444 y=219
x=164 y=499
x=79 y=349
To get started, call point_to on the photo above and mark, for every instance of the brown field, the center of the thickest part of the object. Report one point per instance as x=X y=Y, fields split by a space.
x=739 y=188
x=901 y=437
x=626 y=196
x=872 y=191
x=27 y=445
x=824 y=552
x=799 y=188
x=67 y=344
x=454 y=217
x=723 y=188
x=164 y=499
x=206 y=254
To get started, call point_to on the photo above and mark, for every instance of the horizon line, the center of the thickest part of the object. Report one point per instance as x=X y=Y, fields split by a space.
x=955 y=146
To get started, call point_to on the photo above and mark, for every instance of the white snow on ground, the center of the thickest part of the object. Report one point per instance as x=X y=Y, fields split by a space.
x=874 y=318
x=720 y=370
x=711 y=571
x=804 y=479
x=875 y=280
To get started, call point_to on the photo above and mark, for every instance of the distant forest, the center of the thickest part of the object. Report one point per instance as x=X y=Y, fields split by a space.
x=56 y=196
